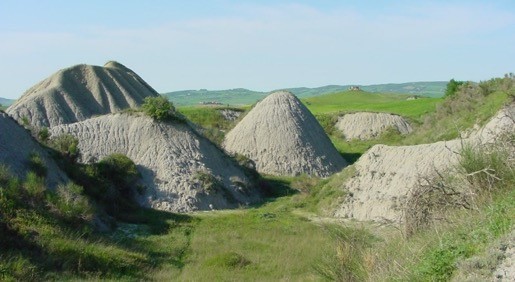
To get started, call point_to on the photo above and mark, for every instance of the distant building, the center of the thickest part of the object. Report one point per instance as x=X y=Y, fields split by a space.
x=354 y=88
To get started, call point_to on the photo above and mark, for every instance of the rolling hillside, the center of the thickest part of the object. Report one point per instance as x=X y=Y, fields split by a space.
x=241 y=96
x=6 y=102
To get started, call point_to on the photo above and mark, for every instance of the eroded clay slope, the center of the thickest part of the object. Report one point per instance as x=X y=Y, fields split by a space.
x=365 y=125
x=172 y=158
x=16 y=145
x=80 y=92
x=283 y=138
x=386 y=174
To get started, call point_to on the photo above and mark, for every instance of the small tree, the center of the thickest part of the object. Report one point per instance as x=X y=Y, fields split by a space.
x=452 y=87
x=158 y=108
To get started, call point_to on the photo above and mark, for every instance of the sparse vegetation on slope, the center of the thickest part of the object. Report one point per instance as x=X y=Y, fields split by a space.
x=470 y=105
x=212 y=120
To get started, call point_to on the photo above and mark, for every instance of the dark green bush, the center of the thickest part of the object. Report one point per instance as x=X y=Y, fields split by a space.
x=43 y=134
x=67 y=146
x=158 y=108
x=452 y=87
x=119 y=168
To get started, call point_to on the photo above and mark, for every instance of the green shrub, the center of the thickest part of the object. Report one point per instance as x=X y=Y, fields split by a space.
x=119 y=168
x=34 y=186
x=485 y=167
x=158 y=108
x=43 y=134
x=328 y=122
x=67 y=146
x=71 y=204
x=37 y=165
x=209 y=183
x=452 y=87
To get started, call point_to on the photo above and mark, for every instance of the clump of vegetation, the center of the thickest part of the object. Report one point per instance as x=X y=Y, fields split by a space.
x=67 y=145
x=228 y=260
x=43 y=134
x=159 y=108
x=453 y=115
x=304 y=183
x=213 y=123
x=37 y=164
x=71 y=203
x=452 y=87
x=112 y=182
x=352 y=260
x=328 y=122
x=208 y=182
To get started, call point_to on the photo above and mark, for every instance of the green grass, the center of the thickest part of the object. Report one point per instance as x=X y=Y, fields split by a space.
x=352 y=101
x=267 y=242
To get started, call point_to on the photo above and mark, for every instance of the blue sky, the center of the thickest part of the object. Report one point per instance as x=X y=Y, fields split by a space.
x=260 y=45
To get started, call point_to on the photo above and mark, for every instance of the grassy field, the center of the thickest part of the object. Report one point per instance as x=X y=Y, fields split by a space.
x=352 y=101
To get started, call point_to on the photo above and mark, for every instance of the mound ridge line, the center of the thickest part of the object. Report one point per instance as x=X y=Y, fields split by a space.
x=80 y=92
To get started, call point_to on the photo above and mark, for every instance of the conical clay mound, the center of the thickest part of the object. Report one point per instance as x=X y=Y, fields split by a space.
x=283 y=138
x=80 y=92
x=181 y=170
x=16 y=146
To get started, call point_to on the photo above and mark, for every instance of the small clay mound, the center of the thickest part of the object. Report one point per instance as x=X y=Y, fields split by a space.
x=283 y=138
x=366 y=126
x=181 y=170
x=230 y=114
x=80 y=92
x=385 y=175
x=16 y=146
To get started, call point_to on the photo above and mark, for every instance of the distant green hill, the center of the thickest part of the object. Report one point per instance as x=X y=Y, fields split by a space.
x=6 y=102
x=435 y=89
x=241 y=96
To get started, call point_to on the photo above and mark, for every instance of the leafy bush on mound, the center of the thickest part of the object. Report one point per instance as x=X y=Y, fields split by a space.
x=158 y=108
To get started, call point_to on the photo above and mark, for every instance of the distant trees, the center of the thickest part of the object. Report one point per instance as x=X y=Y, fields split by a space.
x=452 y=87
